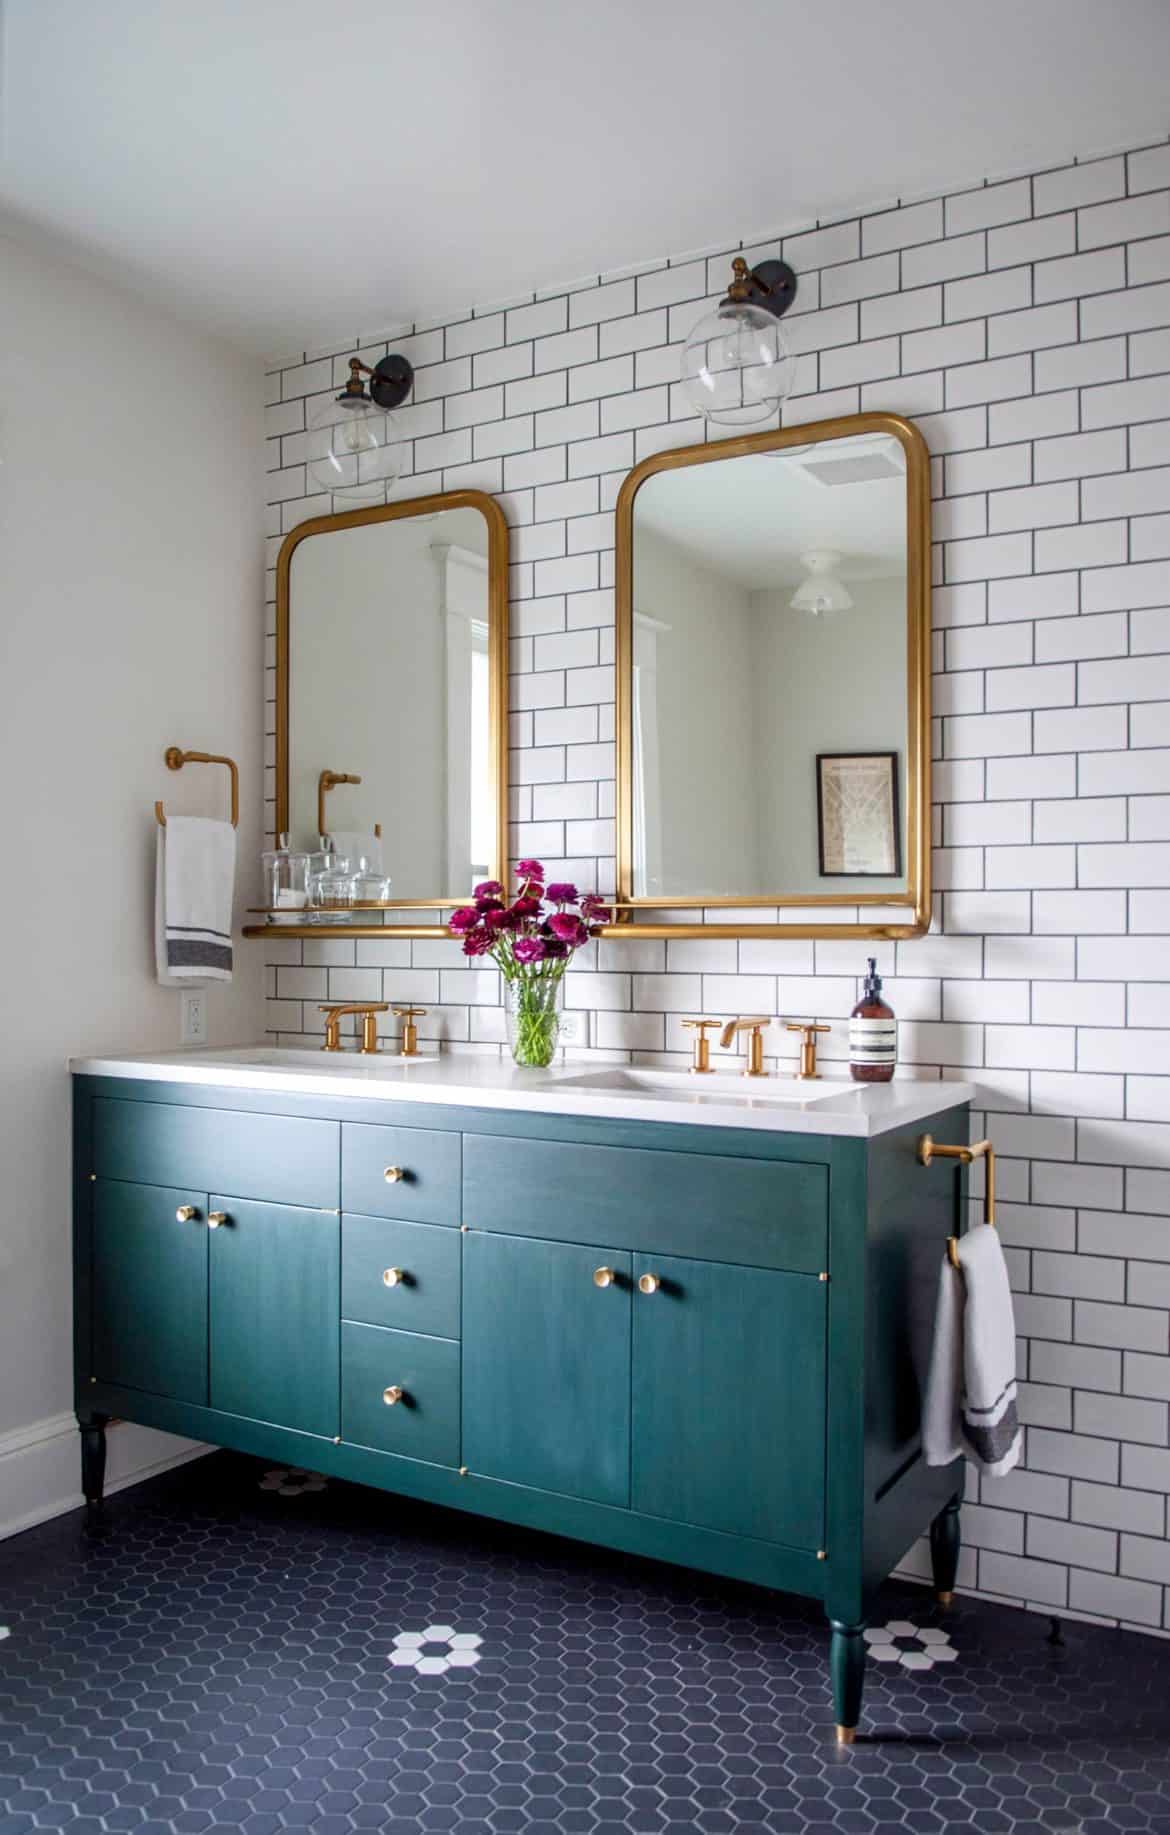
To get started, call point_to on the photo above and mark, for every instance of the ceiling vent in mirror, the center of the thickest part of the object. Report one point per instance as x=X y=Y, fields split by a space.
x=737 y=367
x=851 y=468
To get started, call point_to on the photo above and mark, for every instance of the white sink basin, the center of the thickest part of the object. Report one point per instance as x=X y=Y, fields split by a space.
x=720 y=1085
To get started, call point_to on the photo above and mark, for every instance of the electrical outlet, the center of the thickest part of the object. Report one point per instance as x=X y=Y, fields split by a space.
x=193 y=1016
x=575 y=1027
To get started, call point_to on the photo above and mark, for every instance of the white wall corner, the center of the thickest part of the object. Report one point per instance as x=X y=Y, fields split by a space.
x=40 y=1466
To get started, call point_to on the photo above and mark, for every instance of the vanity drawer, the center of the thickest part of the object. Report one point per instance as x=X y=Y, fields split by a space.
x=426 y=1162
x=281 y=1158
x=424 y=1423
x=422 y=1296
x=770 y=1213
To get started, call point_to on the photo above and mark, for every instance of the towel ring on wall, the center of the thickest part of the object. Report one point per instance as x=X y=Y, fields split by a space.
x=176 y=758
x=929 y=1149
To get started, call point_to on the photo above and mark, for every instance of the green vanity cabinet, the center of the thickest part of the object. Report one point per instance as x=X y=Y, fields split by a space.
x=273 y=1314
x=150 y=1288
x=702 y=1344
x=546 y=1365
x=738 y=1444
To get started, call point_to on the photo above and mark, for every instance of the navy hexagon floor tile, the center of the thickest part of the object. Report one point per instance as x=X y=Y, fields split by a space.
x=245 y=1647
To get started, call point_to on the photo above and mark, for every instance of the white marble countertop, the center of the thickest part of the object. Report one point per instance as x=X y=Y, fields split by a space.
x=610 y=1091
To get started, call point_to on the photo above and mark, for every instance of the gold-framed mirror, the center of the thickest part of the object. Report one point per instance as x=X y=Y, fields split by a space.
x=773 y=685
x=391 y=696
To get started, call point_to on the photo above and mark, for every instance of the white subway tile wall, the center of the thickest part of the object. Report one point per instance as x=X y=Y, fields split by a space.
x=1026 y=326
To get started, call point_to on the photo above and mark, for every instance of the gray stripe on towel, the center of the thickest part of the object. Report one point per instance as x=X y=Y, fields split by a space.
x=184 y=953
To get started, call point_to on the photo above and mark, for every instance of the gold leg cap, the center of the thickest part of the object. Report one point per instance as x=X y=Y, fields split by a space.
x=945 y=1600
x=846 y=1735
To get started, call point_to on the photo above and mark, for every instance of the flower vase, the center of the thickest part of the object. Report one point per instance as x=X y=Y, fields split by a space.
x=533 y=1016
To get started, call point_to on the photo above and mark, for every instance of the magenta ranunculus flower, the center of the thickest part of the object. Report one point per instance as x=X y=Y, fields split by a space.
x=484 y=905
x=526 y=907
x=593 y=906
x=530 y=869
x=561 y=893
x=463 y=919
x=529 y=949
x=488 y=888
x=567 y=928
x=477 y=942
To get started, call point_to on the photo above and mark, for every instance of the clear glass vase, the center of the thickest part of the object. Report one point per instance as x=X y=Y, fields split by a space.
x=533 y=1014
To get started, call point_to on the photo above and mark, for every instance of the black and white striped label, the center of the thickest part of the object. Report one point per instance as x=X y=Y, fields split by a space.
x=873 y=1041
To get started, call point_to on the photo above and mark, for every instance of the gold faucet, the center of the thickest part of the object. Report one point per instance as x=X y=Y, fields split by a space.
x=755 y=1048
x=808 y=1047
x=367 y=1009
x=408 y=1015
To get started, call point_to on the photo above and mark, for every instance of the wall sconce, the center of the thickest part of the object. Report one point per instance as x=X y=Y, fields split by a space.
x=737 y=367
x=822 y=591
x=355 y=449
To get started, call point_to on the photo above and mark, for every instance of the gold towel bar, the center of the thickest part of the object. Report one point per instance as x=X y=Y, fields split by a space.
x=929 y=1149
x=176 y=759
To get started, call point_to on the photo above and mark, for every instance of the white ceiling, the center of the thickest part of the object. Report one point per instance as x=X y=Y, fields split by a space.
x=290 y=171
x=751 y=519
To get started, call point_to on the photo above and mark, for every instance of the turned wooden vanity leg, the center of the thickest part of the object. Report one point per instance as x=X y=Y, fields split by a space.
x=93 y=1464
x=847 y=1669
x=944 y=1549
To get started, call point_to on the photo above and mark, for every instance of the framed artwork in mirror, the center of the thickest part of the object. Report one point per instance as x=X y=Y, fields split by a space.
x=858 y=828
x=772 y=685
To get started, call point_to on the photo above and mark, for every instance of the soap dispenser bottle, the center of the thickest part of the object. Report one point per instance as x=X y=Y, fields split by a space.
x=873 y=1033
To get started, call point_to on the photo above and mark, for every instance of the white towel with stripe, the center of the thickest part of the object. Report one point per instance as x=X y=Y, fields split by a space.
x=971 y=1403
x=195 y=875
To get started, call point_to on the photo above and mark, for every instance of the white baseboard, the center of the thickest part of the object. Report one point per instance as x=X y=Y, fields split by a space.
x=40 y=1466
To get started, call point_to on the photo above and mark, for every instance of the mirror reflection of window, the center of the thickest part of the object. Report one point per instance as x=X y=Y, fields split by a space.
x=389 y=682
x=781 y=581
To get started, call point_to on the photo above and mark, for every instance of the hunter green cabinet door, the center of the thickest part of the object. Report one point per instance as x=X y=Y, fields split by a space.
x=275 y=1314
x=729 y=1398
x=150 y=1289
x=546 y=1365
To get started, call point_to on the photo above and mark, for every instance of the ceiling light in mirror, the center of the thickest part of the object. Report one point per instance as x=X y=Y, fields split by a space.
x=737 y=367
x=354 y=446
x=821 y=591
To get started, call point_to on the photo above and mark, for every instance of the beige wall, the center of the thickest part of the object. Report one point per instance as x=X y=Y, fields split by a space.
x=130 y=530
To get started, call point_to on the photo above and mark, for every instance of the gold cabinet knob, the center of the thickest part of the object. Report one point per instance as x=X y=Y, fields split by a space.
x=185 y=1213
x=393 y=1277
x=392 y=1174
x=215 y=1218
x=649 y=1283
x=393 y=1394
x=604 y=1277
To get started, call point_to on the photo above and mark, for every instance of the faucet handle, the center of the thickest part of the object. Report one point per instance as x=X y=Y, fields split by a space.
x=408 y=1015
x=701 y=1051
x=808 y=1030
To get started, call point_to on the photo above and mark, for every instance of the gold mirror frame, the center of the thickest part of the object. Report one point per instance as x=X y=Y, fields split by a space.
x=497 y=694
x=916 y=897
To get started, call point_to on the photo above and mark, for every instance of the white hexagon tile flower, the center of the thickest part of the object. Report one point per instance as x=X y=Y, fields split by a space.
x=291 y=1482
x=907 y=1644
x=437 y=1649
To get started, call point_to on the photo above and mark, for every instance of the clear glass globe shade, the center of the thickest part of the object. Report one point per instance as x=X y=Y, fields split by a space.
x=353 y=452
x=737 y=367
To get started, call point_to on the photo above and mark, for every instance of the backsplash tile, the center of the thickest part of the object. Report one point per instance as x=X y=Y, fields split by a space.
x=1026 y=326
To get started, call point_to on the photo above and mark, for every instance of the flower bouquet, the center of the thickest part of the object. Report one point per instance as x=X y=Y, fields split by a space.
x=531 y=941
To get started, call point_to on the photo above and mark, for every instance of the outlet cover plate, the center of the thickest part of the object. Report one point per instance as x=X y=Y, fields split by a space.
x=575 y=1027
x=193 y=1016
